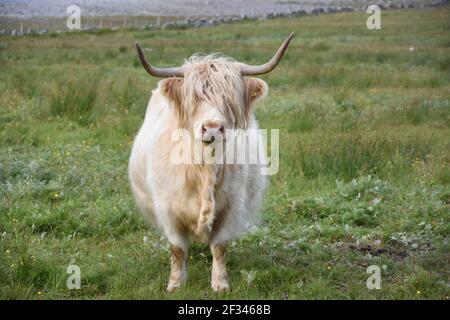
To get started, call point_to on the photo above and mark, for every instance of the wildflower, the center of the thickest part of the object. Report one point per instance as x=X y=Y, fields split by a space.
x=249 y=276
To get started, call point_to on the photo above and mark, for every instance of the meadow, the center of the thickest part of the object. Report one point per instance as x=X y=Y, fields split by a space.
x=364 y=179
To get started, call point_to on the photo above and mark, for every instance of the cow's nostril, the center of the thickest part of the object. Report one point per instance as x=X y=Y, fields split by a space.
x=213 y=138
x=221 y=129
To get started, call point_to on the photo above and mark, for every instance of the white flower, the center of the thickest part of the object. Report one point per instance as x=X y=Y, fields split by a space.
x=249 y=276
x=376 y=201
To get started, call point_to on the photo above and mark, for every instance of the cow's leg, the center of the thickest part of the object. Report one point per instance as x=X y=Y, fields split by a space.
x=178 y=261
x=219 y=278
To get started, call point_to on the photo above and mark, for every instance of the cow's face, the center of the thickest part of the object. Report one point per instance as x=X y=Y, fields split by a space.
x=210 y=94
x=212 y=118
x=212 y=97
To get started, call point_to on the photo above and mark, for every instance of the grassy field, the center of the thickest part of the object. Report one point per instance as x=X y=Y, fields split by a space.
x=364 y=119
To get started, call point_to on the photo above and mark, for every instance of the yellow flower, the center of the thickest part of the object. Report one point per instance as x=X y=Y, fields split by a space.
x=418 y=292
x=39 y=293
x=7 y=251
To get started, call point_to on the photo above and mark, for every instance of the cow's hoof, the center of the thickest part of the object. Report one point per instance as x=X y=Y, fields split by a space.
x=220 y=285
x=171 y=287
x=176 y=284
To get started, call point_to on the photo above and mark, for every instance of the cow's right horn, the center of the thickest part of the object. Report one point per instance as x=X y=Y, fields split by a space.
x=158 y=72
x=247 y=70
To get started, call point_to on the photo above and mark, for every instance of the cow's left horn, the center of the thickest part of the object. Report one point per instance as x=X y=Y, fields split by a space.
x=158 y=72
x=247 y=70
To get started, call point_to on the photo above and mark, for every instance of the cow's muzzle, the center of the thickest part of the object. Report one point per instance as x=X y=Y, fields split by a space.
x=212 y=131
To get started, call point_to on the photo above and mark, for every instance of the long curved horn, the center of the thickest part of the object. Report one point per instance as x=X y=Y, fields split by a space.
x=158 y=72
x=247 y=70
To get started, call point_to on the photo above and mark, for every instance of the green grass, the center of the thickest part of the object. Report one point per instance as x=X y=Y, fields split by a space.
x=364 y=161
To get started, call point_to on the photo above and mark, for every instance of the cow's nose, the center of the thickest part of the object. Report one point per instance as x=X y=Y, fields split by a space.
x=218 y=127
x=212 y=131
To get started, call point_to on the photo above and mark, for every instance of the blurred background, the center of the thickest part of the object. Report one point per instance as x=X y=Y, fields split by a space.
x=42 y=16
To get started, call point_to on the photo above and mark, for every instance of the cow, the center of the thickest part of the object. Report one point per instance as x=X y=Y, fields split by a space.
x=211 y=202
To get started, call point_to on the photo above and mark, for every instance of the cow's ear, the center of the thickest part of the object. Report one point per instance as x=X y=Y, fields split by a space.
x=255 y=89
x=171 y=89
